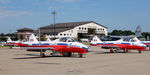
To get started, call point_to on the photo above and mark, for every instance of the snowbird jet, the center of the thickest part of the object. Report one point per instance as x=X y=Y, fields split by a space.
x=114 y=46
x=134 y=38
x=65 y=46
x=9 y=42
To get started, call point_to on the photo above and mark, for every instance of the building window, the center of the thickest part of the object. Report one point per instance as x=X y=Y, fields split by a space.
x=82 y=28
x=79 y=28
x=60 y=34
x=98 y=29
x=85 y=28
x=64 y=34
x=101 y=29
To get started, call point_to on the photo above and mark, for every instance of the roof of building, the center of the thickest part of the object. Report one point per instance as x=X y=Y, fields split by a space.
x=24 y=29
x=59 y=27
x=69 y=24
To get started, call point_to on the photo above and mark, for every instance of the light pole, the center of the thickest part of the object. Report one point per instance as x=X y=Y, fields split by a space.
x=10 y=33
x=39 y=34
x=54 y=13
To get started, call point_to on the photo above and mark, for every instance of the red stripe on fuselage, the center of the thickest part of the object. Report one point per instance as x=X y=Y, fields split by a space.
x=96 y=44
x=59 y=48
x=148 y=44
x=127 y=46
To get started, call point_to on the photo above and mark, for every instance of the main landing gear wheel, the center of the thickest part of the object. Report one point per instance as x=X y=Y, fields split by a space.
x=140 y=51
x=42 y=54
x=67 y=54
x=127 y=51
x=80 y=55
x=111 y=51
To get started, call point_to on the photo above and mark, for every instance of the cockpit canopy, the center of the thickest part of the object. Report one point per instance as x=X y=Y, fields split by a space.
x=131 y=39
x=125 y=38
x=108 y=38
x=67 y=39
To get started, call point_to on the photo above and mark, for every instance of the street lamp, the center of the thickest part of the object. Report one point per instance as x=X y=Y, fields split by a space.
x=54 y=13
x=39 y=34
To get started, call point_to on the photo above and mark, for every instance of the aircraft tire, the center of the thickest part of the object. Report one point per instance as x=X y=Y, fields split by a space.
x=80 y=55
x=43 y=55
x=140 y=51
x=69 y=54
x=64 y=54
x=127 y=51
x=111 y=51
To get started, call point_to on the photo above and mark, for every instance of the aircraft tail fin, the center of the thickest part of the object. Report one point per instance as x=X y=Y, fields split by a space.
x=9 y=39
x=48 y=39
x=32 y=38
x=136 y=39
x=96 y=40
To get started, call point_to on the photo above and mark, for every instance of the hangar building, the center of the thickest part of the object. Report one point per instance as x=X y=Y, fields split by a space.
x=73 y=29
x=84 y=29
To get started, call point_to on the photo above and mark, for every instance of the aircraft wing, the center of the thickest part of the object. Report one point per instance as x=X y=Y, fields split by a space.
x=38 y=48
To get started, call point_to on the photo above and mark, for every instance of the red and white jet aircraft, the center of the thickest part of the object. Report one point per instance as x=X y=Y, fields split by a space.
x=120 y=44
x=96 y=42
x=65 y=46
x=147 y=43
x=9 y=42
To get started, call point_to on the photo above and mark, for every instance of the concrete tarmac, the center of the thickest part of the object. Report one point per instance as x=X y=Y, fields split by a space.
x=96 y=62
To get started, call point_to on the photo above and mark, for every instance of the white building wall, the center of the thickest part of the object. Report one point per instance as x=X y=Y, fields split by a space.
x=68 y=33
x=84 y=28
x=80 y=29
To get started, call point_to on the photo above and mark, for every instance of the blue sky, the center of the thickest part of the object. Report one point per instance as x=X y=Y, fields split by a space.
x=115 y=14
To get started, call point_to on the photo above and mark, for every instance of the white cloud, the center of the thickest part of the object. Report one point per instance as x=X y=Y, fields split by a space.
x=10 y=13
x=4 y=1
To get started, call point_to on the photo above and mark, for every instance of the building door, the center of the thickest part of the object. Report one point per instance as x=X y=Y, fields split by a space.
x=91 y=30
x=21 y=37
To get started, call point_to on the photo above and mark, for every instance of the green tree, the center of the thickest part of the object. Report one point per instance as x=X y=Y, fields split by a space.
x=2 y=37
x=145 y=34
x=120 y=32
x=42 y=38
